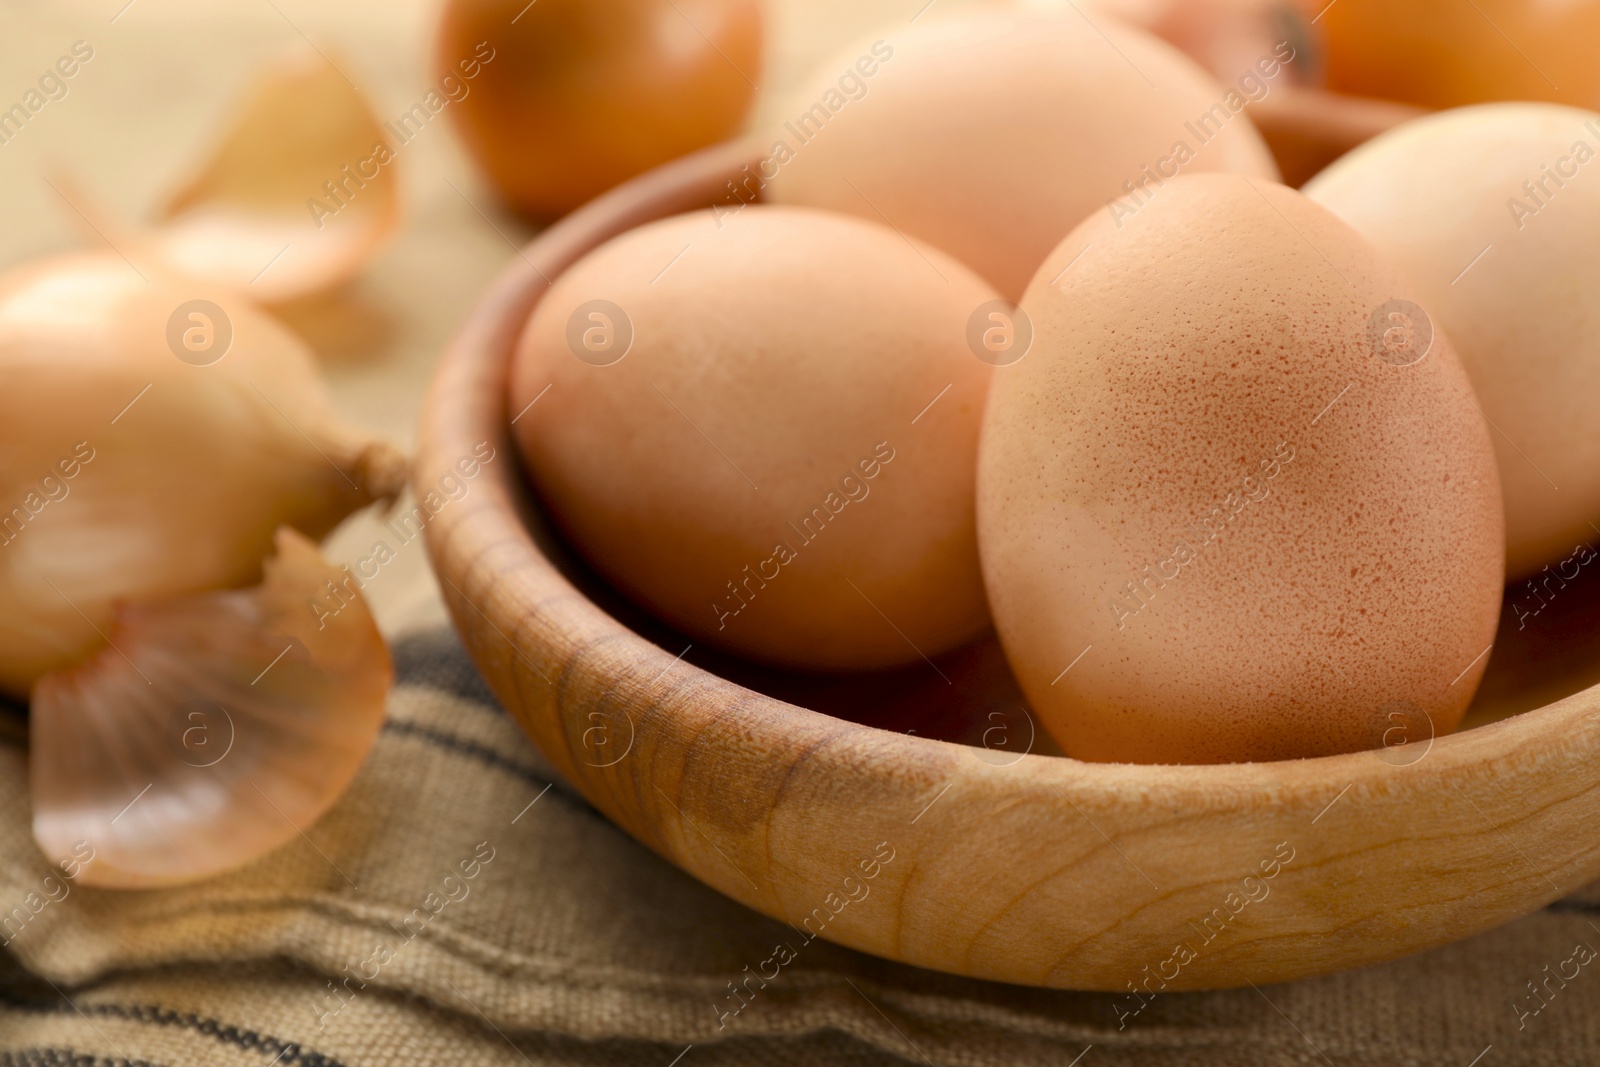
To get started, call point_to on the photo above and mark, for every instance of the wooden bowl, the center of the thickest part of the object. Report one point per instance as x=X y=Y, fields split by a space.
x=996 y=862
x=1309 y=128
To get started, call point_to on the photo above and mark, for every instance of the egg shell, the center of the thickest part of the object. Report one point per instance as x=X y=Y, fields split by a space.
x=781 y=461
x=1493 y=213
x=1221 y=517
x=993 y=134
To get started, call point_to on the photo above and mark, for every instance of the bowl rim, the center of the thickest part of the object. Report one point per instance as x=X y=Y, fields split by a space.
x=748 y=780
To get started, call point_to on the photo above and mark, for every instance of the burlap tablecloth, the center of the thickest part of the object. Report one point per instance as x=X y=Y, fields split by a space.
x=570 y=944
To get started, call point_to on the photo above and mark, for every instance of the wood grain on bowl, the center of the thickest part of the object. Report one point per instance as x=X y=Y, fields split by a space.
x=1309 y=128
x=978 y=861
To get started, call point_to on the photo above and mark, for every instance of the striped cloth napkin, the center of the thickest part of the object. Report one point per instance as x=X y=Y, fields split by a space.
x=461 y=905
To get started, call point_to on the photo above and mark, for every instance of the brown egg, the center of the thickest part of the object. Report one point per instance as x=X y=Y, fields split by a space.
x=763 y=427
x=1497 y=224
x=994 y=134
x=560 y=100
x=1236 y=503
x=1445 y=53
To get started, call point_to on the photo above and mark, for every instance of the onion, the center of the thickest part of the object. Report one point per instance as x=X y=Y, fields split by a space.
x=158 y=432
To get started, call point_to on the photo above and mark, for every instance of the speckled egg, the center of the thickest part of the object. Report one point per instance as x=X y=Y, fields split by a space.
x=1237 y=502
x=1493 y=213
x=762 y=425
x=992 y=134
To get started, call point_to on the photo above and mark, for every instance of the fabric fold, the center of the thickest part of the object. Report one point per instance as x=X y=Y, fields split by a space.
x=460 y=890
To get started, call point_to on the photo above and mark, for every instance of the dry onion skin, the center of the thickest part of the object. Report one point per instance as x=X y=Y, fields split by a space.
x=213 y=729
x=295 y=199
x=130 y=472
